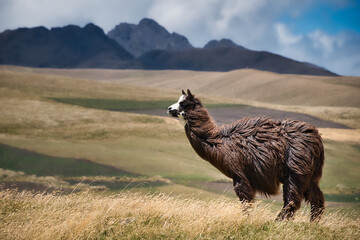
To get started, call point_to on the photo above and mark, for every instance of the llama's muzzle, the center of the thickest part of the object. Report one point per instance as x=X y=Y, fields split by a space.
x=172 y=112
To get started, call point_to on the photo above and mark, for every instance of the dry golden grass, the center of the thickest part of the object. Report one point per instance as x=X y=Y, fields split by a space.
x=48 y=119
x=348 y=116
x=31 y=85
x=136 y=216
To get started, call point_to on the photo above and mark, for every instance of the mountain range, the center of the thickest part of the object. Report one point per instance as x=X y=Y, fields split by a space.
x=146 y=45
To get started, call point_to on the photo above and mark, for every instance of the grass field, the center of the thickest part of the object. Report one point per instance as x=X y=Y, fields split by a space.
x=137 y=216
x=56 y=131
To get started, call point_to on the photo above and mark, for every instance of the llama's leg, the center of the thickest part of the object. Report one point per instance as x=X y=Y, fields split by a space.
x=243 y=190
x=316 y=198
x=292 y=195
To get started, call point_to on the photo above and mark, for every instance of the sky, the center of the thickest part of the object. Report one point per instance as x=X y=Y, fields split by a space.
x=322 y=32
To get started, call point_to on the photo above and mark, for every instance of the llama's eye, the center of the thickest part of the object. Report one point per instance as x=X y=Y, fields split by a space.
x=184 y=104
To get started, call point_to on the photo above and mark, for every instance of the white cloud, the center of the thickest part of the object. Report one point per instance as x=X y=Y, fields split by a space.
x=245 y=22
x=183 y=17
x=236 y=10
x=339 y=53
x=324 y=41
x=284 y=36
x=27 y=13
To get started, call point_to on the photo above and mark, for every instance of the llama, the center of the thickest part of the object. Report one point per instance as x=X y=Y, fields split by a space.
x=258 y=154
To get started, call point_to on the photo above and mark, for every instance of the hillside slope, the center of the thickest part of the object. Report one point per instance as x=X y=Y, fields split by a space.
x=31 y=120
x=138 y=144
x=244 y=85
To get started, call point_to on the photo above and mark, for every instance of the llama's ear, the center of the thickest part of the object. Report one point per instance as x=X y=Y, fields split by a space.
x=190 y=94
x=183 y=92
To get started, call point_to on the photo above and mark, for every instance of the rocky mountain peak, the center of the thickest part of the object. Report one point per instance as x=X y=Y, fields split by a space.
x=223 y=43
x=147 y=23
x=148 y=35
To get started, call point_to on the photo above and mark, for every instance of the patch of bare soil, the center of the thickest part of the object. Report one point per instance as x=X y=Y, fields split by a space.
x=224 y=115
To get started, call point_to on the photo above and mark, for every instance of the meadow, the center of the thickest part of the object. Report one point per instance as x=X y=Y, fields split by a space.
x=59 y=132
x=130 y=215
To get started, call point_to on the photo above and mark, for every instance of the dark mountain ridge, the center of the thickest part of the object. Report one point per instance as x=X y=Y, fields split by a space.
x=65 y=47
x=227 y=59
x=89 y=47
x=146 y=36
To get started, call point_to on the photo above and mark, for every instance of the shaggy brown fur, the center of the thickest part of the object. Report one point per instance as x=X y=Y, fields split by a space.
x=259 y=154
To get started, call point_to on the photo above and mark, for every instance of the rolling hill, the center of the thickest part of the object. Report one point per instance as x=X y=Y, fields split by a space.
x=245 y=85
x=124 y=175
x=33 y=121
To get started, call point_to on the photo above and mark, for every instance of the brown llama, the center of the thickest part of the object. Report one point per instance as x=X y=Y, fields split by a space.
x=258 y=154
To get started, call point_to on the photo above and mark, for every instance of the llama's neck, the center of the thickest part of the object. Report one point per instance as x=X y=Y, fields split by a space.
x=203 y=133
x=201 y=124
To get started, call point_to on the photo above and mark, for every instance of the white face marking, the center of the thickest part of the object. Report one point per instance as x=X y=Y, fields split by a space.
x=176 y=106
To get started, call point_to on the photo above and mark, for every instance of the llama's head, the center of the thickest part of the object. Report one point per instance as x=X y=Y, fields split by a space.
x=186 y=102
